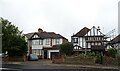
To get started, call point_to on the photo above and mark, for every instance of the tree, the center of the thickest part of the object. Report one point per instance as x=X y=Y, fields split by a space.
x=66 y=48
x=13 y=40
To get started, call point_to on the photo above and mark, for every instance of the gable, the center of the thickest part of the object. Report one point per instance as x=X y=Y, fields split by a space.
x=94 y=32
x=82 y=32
x=35 y=35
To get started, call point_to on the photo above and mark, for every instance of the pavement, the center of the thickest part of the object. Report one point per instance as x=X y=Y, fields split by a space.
x=49 y=62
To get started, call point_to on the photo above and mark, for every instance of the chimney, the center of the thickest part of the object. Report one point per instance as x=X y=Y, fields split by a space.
x=98 y=28
x=40 y=30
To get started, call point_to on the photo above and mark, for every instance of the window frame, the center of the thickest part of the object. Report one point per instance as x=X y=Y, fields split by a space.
x=75 y=40
x=47 y=41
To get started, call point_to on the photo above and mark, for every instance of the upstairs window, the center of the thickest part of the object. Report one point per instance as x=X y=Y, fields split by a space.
x=47 y=42
x=41 y=42
x=75 y=40
x=35 y=42
x=57 y=41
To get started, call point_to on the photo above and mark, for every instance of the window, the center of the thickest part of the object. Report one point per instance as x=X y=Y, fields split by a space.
x=99 y=43
x=92 y=43
x=57 y=41
x=41 y=42
x=47 y=41
x=75 y=40
x=37 y=51
x=35 y=42
x=96 y=43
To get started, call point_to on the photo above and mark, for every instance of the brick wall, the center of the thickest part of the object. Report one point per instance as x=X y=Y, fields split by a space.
x=79 y=60
x=58 y=59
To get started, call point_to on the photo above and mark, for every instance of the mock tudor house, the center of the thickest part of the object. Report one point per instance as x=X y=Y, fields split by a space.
x=44 y=44
x=89 y=40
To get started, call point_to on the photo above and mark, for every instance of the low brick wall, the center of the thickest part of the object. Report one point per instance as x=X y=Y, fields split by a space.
x=110 y=61
x=79 y=60
x=15 y=58
x=58 y=59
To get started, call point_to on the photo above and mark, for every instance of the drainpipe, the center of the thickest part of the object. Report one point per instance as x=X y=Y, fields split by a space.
x=30 y=50
x=51 y=41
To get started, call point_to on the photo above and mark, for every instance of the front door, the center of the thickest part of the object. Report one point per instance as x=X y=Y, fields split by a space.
x=45 y=54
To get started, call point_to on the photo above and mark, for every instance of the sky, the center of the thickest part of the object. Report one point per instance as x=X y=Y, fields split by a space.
x=61 y=16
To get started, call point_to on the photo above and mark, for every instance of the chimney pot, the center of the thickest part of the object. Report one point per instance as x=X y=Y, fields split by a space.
x=40 y=30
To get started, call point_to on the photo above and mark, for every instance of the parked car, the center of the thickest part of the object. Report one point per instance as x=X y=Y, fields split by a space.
x=33 y=57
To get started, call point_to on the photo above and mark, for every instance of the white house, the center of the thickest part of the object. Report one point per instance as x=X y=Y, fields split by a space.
x=89 y=40
x=44 y=44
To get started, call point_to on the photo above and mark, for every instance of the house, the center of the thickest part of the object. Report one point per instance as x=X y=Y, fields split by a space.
x=115 y=42
x=89 y=40
x=44 y=44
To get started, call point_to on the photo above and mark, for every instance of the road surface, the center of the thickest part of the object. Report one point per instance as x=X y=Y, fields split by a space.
x=34 y=67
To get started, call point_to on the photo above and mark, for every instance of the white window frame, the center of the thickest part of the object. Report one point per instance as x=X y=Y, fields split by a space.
x=57 y=41
x=47 y=42
x=35 y=42
x=41 y=42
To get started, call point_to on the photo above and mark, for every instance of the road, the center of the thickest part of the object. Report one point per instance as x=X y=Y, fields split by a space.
x=35 y=67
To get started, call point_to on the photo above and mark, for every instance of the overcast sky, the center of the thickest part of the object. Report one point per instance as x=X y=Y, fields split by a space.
x=61 y=16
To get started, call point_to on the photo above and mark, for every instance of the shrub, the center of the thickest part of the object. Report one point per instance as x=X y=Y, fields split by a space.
x=99 y=58
x=66 y=49
x=91 y=53
x=113 y=52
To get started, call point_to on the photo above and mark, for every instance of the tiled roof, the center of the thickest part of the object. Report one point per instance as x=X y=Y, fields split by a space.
x=82 y=32
x=116 y=39
x=29 y=35
x=45 y=35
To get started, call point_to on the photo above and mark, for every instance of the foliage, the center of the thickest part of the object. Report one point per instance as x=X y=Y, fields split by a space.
x=99 y=58
x=66 y=49
x=91 y=53
x=113 y=52
x=12 y=40
x=85 y=56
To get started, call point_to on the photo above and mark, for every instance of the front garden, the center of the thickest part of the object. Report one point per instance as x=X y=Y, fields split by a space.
x=90 y=58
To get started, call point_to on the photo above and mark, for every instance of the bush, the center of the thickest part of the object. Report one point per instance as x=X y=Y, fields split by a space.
x=80 y=59
x=91 y=53
x=66 y=49
x=113 y=52
x=99 y=58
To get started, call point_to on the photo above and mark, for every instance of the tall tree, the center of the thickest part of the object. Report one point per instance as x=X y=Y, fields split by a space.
x=12 y=40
